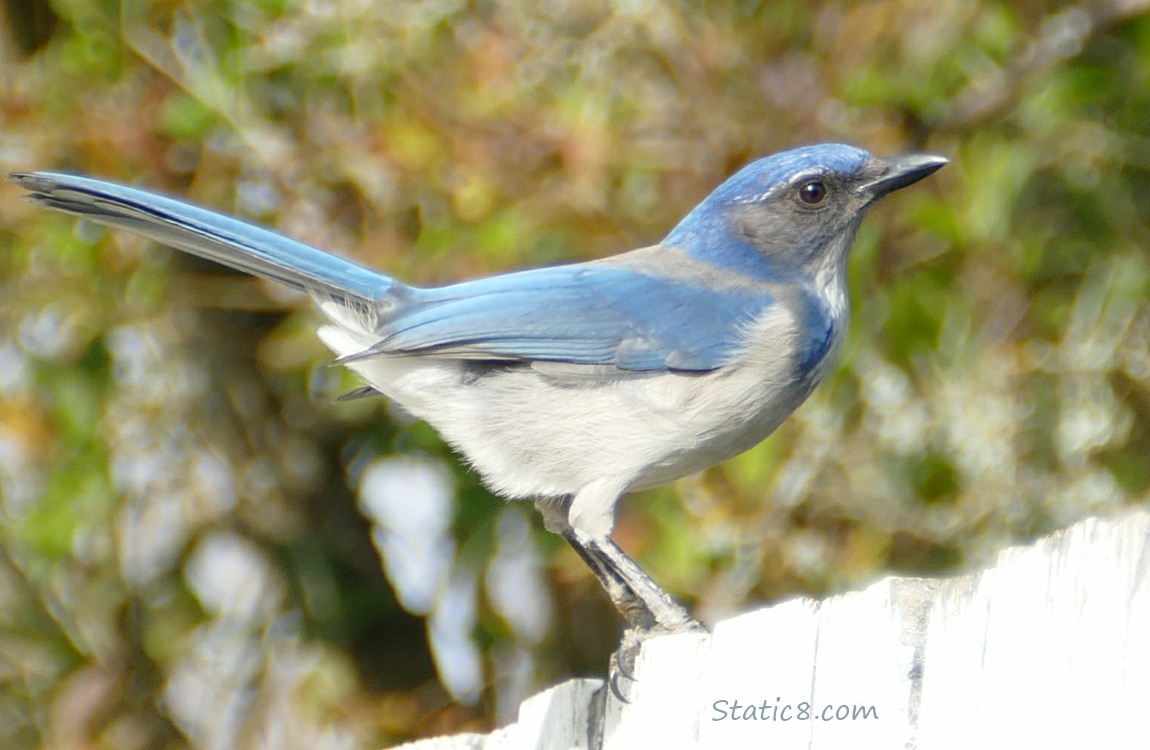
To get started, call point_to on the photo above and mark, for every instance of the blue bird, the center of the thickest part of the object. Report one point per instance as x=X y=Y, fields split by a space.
x=576 y=384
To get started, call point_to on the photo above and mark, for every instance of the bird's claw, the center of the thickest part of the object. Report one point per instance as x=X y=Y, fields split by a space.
x=614 y=683
x=624 y=658
x=624 y=664
x=623 y=661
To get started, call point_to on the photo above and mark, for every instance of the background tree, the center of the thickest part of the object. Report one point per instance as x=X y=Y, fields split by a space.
x=192 y=530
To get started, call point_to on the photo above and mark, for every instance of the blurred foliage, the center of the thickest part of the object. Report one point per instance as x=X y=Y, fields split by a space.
x=183 y=560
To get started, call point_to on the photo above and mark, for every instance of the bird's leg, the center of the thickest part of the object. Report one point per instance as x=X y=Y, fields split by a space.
x=554 y=512
x=647 y=608
x=650 y=608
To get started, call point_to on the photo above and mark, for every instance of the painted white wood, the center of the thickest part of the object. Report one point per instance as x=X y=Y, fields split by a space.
x=559 y=718
x=1050 y=647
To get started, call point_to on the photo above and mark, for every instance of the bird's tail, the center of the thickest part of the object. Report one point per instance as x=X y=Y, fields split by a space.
x=212 y=235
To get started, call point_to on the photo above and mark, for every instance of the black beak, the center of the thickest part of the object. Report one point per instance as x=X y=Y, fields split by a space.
x=902 y=171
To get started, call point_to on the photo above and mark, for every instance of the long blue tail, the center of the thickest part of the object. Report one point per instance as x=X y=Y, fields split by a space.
x=208 y=234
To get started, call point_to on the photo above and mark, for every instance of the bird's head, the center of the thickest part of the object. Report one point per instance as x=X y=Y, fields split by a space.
x=793 y=208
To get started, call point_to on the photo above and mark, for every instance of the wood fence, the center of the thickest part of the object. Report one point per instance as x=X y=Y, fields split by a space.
x=1048 y=648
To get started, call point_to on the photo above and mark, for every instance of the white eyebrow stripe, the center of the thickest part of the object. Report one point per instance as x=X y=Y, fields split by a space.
x=820 y=173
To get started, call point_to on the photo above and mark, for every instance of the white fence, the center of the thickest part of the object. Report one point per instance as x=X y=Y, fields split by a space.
x=1048 y=648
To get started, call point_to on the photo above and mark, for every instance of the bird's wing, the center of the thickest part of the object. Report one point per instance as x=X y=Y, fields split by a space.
x=208 y=234
x=580 y=314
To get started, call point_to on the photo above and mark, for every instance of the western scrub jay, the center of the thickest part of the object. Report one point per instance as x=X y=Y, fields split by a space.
x=576 y=384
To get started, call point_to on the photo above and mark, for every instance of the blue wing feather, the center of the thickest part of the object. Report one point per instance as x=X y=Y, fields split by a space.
x=582 y=314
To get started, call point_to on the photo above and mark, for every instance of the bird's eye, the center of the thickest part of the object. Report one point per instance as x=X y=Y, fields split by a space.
x=813 y=193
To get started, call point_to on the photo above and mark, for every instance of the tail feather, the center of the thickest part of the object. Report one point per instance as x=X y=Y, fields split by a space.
x=211 y=235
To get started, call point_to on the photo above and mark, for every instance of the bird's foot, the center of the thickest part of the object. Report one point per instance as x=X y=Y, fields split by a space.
x=623 y=660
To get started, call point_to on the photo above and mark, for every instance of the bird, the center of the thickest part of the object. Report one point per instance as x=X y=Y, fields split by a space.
x=573 y=385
